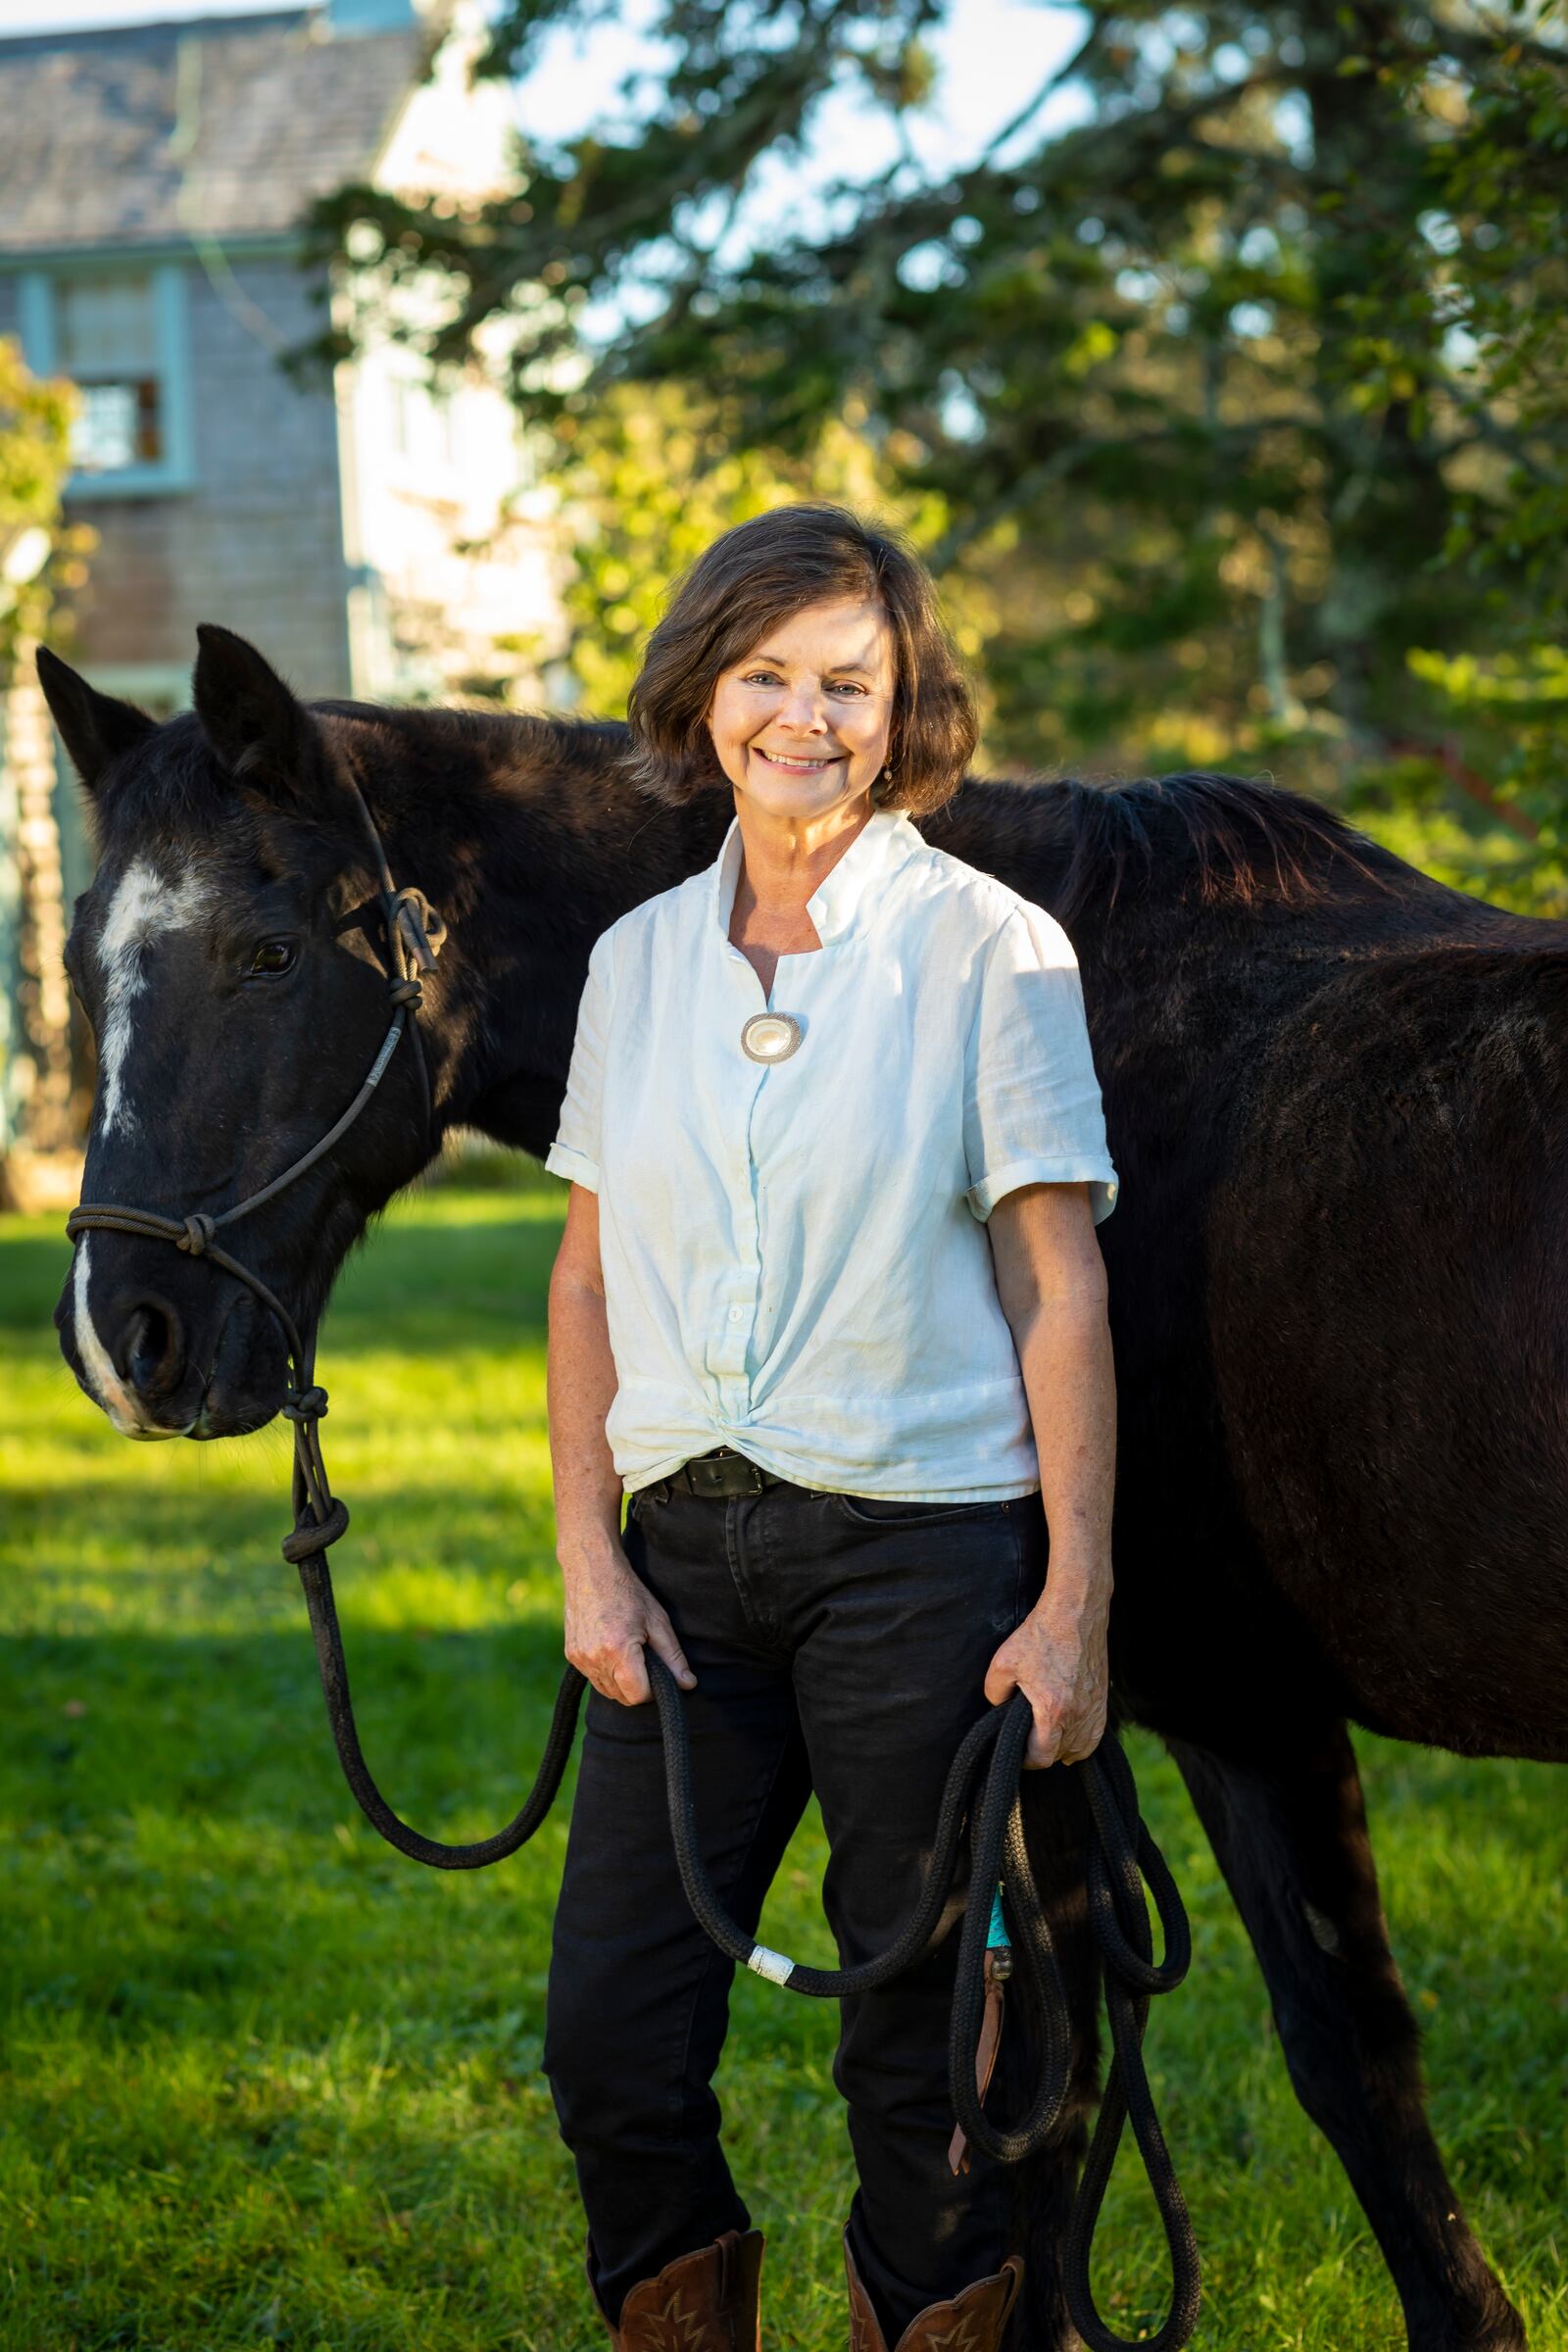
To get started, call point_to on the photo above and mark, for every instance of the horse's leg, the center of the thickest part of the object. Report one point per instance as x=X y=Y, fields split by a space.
x=1291 y=1837
x=1057 y=1827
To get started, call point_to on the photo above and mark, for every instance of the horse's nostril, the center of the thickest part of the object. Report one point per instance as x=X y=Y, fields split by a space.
x=151 y=1350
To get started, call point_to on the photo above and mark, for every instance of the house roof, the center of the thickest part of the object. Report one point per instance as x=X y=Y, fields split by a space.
x=224 y=126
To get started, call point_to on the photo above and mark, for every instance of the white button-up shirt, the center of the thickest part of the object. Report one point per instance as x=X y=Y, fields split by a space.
x=794 y=1254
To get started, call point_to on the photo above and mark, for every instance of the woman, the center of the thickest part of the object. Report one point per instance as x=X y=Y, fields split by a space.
x=829 y=1307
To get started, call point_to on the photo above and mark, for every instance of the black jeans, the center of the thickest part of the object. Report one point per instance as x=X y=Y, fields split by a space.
x=840 y=1645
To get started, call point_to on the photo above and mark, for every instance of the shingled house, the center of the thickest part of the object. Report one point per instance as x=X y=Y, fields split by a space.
x=153 y=179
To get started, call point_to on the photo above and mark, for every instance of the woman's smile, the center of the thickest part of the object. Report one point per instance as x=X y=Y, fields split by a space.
x=794 y=762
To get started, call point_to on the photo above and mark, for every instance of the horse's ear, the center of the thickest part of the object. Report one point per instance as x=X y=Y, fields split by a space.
x=94 y=728
x=261 y=733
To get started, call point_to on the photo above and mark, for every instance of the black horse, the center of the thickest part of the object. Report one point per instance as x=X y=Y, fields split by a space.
x=1337 y=1094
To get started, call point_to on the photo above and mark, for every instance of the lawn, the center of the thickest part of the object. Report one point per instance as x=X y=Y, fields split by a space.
x=262 y=2081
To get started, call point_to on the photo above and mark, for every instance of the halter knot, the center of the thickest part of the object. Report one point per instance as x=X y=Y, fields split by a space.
x=198 y=1234
x=423 y=930
x=405 y=992
x=308 y=1405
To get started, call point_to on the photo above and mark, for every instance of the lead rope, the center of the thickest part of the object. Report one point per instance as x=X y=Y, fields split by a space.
x=1121 y=1855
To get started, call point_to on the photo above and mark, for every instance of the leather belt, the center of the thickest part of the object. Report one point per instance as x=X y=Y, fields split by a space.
x=715 y=1475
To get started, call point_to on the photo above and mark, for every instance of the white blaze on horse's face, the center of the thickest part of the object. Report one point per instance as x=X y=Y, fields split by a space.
x=111 y=1391
x=146 y=906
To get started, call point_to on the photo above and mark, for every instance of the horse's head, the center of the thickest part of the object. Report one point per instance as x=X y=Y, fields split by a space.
x=230 y=958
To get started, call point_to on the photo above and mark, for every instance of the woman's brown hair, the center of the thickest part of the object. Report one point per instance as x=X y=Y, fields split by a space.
x=766 y=570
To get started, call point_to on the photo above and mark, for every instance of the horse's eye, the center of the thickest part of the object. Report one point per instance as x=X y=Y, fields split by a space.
x=273 y=956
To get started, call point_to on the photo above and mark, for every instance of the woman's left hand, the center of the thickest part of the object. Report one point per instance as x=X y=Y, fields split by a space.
x=1059 y=1663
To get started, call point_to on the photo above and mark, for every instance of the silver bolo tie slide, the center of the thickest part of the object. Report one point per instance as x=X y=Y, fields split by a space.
x=770 y=1036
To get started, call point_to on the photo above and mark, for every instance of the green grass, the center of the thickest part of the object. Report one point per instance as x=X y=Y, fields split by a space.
x=264 y=2082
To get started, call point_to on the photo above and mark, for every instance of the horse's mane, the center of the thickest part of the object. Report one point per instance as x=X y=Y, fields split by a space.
x=1230 y=839
x=183 y=791
x=434 y=723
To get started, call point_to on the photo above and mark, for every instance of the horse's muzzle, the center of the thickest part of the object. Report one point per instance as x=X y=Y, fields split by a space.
x=168 y=1353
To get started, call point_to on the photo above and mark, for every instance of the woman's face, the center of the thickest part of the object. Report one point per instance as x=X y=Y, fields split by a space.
x=802 y=726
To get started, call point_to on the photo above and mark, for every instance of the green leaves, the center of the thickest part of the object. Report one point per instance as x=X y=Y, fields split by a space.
x=1292 y=288
x=34 y=460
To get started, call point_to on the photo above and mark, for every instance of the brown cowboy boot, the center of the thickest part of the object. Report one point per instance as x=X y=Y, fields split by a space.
x=703 y=2302
x=972 y=2321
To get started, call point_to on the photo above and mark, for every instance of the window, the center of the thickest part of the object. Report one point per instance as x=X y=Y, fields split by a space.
x=117 y=424
x=120 y=335
x=423 y=422
x=106 y=340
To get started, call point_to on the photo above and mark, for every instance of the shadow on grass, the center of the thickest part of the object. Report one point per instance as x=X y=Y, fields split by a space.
x=33 y=1272
x=103 y=1728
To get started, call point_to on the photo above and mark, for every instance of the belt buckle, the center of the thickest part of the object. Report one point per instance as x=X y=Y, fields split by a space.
x=724 y=1474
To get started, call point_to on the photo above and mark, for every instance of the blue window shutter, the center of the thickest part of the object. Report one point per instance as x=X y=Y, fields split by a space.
x=179 y=469
x=35 y=316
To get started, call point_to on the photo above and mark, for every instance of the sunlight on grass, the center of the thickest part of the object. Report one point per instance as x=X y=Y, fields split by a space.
x=263 y=2081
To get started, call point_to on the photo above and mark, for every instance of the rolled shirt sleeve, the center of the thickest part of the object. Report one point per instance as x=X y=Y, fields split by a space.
x=1032 y=1112
x=576 y=1151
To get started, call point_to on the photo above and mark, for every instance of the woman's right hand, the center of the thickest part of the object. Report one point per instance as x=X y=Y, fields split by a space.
x=610 y=1615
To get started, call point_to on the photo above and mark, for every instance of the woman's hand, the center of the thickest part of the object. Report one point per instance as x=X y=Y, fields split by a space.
x=1058 y=1661
x=610 y=1615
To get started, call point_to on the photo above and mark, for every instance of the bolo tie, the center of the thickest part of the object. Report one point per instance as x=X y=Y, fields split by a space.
x=770 y=1036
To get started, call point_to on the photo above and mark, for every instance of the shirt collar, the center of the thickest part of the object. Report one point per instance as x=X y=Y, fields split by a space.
x=878 y=850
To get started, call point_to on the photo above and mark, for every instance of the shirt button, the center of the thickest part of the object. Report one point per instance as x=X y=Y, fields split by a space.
x=735 y=1313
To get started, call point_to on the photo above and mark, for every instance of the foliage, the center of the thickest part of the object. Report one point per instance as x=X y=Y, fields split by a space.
x=34 y=458
x=263 y=2081
x=649 y=477
x=39 y=556
x=1237 y=361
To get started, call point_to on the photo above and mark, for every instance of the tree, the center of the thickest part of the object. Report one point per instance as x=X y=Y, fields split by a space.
x=35 y=458
x=1243 y=393
x=649 y=476
x=37 y=555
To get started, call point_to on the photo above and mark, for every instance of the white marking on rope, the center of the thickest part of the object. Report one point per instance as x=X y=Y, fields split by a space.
x=144 y=905
x=378 y=1067
x=106 y=1384
x=776 y=1967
